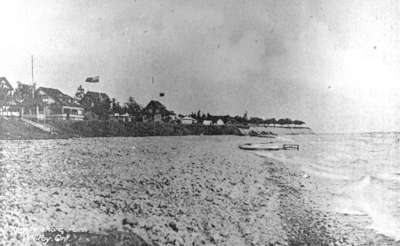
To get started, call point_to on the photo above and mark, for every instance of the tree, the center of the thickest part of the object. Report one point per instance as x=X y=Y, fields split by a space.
x=240 y=119
x=256 y=120
x=268 y=121
x=198 y=115
x=281 y=122
x=298 y=122
x=245 y=116
x=286 y=121
x=5 y=95
x=24 y=94
x=102 y=108
x=80 y=93
x=132 y=107
x=116 y=107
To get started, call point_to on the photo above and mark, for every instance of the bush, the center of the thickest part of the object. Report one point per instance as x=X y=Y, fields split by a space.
x=107 y=128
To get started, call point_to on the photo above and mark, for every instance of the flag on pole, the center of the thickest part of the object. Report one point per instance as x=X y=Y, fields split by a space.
x=162 y=94
x=95 y=79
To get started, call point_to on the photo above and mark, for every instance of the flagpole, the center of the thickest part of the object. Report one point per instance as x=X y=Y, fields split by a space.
x=32 y=69
x=154 y=118
x=33 y=80
x=33 y=91
x=152 y=82
x=98 y=88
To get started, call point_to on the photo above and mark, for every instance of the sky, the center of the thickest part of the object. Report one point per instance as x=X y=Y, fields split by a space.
x=332 y=64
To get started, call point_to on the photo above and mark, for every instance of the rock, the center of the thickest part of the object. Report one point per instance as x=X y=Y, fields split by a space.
x=130 y=222
x=209 y=198
x=173 y=226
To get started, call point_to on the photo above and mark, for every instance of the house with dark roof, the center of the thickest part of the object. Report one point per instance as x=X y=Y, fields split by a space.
x=98 y=104
x=6 y=92
x=53 y=104
x=5 y=89
x=157 y=112
x=6 y=99
x=91 y=98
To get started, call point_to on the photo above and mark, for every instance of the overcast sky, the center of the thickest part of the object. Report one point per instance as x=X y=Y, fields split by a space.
x=334 y=64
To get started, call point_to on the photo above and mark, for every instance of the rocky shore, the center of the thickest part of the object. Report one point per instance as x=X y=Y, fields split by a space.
x=157 y=191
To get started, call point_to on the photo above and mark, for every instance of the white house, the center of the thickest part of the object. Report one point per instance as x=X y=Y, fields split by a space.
x=123 y=117
x=56 y=105
x=187 y=120
x=220 y=122
x=207 y=123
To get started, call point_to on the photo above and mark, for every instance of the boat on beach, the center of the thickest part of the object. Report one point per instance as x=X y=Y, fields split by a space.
x=260 y=146
x=266 y=136
x=268 y=146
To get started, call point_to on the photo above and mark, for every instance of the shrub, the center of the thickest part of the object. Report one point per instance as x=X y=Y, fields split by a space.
x=105 y=128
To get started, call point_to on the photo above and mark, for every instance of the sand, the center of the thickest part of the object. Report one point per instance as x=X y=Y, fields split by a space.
x=195 y=190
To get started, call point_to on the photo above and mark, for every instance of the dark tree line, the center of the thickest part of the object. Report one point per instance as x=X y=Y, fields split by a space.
x=131 y=107
x=105 y=107
x=199 y=116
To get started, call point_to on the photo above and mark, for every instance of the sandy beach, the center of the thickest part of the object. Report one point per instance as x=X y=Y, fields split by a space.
x=195 y=190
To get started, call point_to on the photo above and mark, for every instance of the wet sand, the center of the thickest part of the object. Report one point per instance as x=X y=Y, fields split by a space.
x=196 y=190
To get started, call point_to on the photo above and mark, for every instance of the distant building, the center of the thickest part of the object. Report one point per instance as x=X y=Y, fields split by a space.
x=207 y=122
x=157 y=112
x=187 y=120
x=6 y=99
x=96 y=104
x=220 y=122
x=53 y=104
x=6 y=91
x=123 y=117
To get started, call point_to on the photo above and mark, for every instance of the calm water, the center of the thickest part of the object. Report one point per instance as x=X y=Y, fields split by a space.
x=357 y=175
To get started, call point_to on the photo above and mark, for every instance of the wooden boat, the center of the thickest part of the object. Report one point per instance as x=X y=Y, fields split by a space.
x=266 y=136
x=268 y=146
x=260 y=146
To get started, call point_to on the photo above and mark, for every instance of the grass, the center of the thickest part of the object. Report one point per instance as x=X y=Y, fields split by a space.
x=14 y=128
x=112 y=128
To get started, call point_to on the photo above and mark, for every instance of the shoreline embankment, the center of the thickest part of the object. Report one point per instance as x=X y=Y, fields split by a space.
x=305 y=216
x=16 y=129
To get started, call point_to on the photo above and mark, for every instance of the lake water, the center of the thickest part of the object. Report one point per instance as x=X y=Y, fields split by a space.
x=358 y=175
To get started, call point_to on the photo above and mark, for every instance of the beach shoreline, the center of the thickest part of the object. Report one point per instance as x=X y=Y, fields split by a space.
x=306 y=209
x=192 y=190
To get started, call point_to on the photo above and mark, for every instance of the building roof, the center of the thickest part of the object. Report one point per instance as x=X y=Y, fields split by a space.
x=59 y=97
x=4 y=82
x=188 y=118
x=96 y=96
x=6 y=91
x=154 y=105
